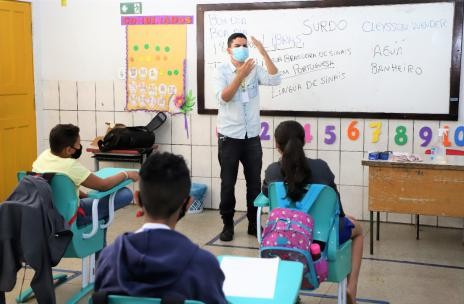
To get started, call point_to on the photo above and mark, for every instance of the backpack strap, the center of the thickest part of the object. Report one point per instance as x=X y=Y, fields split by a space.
x=305 y=203
x=310 y=197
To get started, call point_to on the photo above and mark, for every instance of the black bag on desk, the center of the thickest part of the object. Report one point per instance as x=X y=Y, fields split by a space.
x=127 y=138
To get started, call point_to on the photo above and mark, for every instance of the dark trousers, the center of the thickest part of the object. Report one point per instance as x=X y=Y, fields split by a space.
x=249 y=152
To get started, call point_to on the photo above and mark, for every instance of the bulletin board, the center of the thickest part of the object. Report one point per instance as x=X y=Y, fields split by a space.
x=156 y=60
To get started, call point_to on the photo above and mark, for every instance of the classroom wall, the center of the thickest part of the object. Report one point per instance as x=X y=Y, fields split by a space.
x=79 y=51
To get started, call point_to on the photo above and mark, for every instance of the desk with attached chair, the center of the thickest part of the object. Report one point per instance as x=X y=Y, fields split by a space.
x=286 y=286
x=88 y=239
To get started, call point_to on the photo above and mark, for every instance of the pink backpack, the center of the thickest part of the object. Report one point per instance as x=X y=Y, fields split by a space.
x=288 y=234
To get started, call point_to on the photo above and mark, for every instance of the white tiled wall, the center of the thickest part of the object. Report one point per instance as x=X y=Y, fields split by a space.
x=179 y=132
x=90 y=104
x=201 y=161
x=104 y=96
x=186 y=152
x=68 y=95
x=200 y=129
x=69 y=117
x=332 y=158
x=86 y=95
x=50 y=95
x=351 y=198
x=51 y=119
x=351 y=173
x=87 y=124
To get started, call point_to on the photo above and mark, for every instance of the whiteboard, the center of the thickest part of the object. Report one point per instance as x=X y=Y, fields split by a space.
x=395 y=61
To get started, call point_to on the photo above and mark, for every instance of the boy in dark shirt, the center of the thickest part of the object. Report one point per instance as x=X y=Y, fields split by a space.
x=157 y=261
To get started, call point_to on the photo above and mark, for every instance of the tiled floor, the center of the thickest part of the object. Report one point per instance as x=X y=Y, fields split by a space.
x=402 y=270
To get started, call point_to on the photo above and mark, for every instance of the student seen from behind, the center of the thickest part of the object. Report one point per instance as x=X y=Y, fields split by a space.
x=297 y=171
x=156 y=261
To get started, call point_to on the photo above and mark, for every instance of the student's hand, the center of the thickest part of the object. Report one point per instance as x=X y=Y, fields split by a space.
x=82 y=194
x=259 y=46
x=245 y=69
x=133 y=175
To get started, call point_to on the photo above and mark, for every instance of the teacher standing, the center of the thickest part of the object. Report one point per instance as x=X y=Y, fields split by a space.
x=239 y=126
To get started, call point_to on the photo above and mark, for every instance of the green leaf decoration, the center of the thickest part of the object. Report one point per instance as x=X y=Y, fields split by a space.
x=189 y=103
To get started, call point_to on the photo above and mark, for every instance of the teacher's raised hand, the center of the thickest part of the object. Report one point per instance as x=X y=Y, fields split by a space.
x=259 y=46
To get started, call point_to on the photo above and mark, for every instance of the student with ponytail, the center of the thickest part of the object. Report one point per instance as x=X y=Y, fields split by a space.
x=297 y=171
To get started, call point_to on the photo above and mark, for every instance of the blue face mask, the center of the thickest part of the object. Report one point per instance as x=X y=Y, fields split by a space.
x=240 y=53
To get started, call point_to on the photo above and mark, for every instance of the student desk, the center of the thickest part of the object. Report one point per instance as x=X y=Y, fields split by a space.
x=132 y=156
x=287 y=286
x=414 y=187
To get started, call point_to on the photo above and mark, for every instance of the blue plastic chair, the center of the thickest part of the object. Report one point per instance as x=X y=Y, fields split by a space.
x=113 y=299
x=326 y=229
x=86 y=239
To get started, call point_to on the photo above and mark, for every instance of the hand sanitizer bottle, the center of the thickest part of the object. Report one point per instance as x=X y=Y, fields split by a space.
x=438 y=150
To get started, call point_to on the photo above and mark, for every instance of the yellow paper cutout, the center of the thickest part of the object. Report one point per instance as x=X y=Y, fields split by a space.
x=155 y=76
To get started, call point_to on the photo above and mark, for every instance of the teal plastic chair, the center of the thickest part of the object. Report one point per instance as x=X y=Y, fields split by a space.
x=113 y=299
x=87 y=239
x=326 y=228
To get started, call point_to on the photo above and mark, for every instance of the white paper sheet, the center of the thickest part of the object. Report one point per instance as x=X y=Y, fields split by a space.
x=250 y=277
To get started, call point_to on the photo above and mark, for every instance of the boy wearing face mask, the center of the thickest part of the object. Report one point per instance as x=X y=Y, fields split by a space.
x=239 y=126
x=156 y=261
x=62 y=157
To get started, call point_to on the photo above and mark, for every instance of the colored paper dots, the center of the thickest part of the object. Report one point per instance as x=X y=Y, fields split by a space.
x=175 y=72
x=157 y=48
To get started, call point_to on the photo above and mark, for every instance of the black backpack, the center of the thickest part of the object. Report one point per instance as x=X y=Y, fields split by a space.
x=129 y=138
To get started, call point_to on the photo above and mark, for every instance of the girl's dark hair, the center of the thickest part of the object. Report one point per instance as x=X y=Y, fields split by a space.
x=290 y=138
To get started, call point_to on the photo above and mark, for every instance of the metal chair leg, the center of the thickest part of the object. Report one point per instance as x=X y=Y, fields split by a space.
x=342 y=291
x=417 y=226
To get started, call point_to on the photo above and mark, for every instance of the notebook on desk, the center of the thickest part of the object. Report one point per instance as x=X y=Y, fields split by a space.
x=248 y=277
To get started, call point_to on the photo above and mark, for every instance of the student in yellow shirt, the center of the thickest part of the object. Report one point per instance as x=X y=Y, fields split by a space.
x=62 y=157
